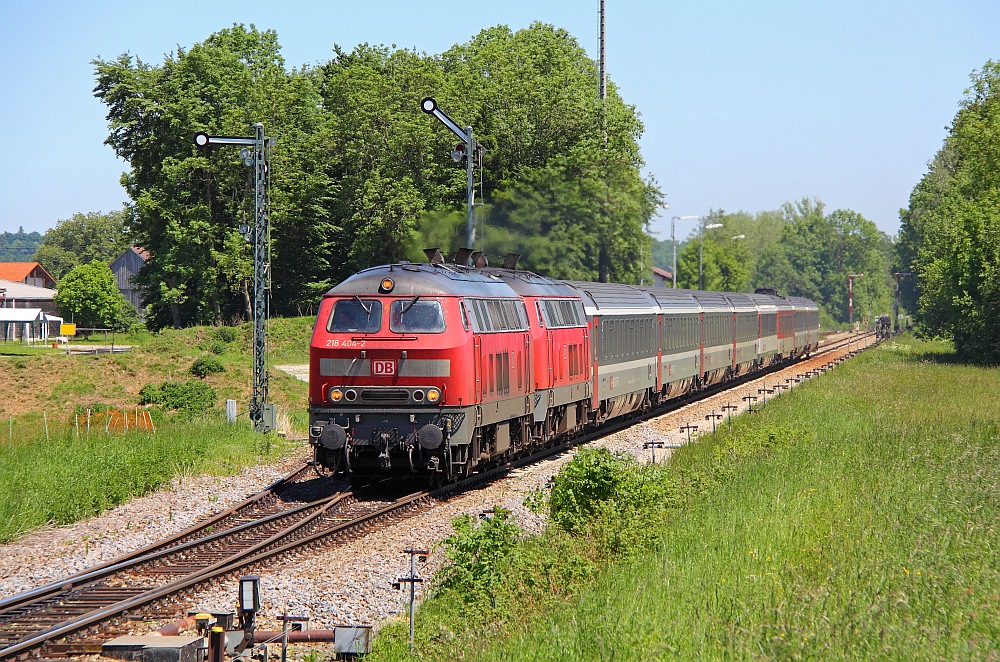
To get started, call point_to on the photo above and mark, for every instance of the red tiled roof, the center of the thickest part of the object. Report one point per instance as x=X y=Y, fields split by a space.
x=16 y=271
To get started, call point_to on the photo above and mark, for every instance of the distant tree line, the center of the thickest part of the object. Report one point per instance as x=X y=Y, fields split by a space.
x=950 y=233
x=800 y=250
x=361 y=176
x=18 y=246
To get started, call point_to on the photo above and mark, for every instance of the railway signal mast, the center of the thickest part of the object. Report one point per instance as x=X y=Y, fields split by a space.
x=255 y=153
x=468 y=149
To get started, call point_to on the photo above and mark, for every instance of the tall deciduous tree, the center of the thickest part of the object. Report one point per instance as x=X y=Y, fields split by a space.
x=817 y=252
x=189 y=203
x=950 y=234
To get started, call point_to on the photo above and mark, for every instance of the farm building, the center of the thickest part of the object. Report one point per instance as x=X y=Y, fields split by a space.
x=124 y=268
x=18 y=295
x=29 y=273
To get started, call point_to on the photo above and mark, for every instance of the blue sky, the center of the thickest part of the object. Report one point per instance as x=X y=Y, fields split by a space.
x=746 y=105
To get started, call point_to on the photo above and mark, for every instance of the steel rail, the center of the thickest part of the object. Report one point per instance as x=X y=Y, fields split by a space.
x=172 y=544
x=273 y=546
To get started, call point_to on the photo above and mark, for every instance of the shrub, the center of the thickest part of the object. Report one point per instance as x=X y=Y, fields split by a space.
x=206 y=365
x=227 y=334
x=592 y=477
x=478 y=551
x=192 y=396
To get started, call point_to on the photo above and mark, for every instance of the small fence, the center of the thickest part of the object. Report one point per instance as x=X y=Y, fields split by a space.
x=33 y=428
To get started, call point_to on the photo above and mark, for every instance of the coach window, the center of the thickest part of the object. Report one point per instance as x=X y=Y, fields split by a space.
x=356 y=316
x=416 y=316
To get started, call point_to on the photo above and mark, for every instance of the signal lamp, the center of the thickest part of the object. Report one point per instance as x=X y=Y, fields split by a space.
x=386 y=286
x=336 y=395
x=433 y=395
x=351 y=395
x=418 y=395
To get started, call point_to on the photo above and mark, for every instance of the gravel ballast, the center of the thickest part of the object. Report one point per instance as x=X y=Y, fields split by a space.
x=341 y=585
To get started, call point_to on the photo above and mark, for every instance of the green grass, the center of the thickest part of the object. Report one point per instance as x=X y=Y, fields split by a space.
x=71 y=477
x=61 y=477
x=856 y=518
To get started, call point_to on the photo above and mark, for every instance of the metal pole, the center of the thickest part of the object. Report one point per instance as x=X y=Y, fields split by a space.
x=470 y=191
x=261 y=280
x=602 y=84
x=673 y=243
x=850 y=297
x=413 y=594
x=701 y=250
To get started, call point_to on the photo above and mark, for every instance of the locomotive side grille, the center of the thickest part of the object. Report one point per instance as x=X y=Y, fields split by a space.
x=385 y=395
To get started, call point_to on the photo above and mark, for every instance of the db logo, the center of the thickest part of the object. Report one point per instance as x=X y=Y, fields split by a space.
x=384 y=368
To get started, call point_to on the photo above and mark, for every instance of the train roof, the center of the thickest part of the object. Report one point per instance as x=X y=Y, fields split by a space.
x=427 y=279
x=613 y=297
x=675 y=301
x=741 y=302
x=530 y=284
x=802 y=303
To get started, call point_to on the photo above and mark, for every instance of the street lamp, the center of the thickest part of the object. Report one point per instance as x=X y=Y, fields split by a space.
x=701 y=248
x=673 y=241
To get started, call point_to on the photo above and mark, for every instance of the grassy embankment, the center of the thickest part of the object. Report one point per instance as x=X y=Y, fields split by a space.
x=68 y=473
x=855 y=518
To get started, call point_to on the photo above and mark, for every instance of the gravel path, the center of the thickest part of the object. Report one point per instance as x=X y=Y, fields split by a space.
x=349 y=584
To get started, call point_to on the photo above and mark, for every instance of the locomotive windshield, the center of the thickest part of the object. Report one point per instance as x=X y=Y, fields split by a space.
x=356 y=316
x=416 y=316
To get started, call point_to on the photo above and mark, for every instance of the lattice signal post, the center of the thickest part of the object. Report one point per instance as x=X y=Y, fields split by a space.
x=255 y=154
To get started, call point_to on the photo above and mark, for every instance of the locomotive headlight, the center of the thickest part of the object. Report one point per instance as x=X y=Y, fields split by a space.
x=433 y=395
x=351 y=395
x=386 y=286
x=418 y=395
x=336 y=395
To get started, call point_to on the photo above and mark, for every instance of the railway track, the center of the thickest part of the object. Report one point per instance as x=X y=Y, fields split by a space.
x=74 y=615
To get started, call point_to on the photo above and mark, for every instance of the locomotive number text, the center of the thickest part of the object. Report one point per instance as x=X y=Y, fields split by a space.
x=336 y=342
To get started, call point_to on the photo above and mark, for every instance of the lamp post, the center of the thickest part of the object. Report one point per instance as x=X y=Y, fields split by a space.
x=673 y=242
x=850 y=297
x=701 y=248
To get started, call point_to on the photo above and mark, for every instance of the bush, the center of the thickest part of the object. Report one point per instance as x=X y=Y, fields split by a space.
x=206 y=365
x=592 y=477
x=192 y=396
x=478 y=551
x=227 y=334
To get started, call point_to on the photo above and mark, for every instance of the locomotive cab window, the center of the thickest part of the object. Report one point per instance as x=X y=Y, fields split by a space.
x=356 y=316
x=416 y=316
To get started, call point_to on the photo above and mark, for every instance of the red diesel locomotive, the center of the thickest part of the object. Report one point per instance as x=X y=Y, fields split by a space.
x=439 y=369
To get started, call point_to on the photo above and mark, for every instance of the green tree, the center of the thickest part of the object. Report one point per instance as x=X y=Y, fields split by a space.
x=950 y=234
x=18 y=246
x=817 y=252
x=189 y=203
x=81 y=239
x=89 y=296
